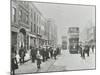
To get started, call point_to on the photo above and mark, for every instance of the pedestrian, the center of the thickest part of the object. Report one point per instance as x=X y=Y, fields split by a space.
x=83 y=52
x=51 y=52
x=22 y=54
x=47 y=53
x=33 y=54
x=87 y=50
x=14 y=64
x=58 y=50
x=93 y=49
x=42 y=52
x=55 y=53
x=39 y=58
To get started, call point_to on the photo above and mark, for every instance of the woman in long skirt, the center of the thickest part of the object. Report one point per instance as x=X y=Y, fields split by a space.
x=39 y=57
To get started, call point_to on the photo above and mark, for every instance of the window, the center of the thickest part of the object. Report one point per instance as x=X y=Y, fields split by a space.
x=27 y=19
x=20 y=15
x=38 y=19
x=37 y=29
x=31 y=14
x=14 y=14
x=34 y=28
x=35 y=17
x=31 y=27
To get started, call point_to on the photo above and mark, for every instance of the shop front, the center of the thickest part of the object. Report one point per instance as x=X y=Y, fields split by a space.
x=32 y=40
x=13 y=38
x=23 y=39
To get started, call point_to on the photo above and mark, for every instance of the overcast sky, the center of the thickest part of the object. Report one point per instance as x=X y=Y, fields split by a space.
x=68 y=16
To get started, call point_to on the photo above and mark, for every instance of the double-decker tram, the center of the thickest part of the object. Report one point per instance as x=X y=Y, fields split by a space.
x=73 y=45
x=73 y=39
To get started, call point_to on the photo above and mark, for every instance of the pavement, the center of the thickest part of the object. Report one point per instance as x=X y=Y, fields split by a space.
x=64 y=62
x=27 y=56
x=30 y=67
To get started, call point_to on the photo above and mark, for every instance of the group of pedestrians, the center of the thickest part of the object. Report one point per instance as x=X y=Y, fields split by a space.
x=85 y=50
x=14 y=63
x=42 y=54
x=14 y=59
x=21 y=55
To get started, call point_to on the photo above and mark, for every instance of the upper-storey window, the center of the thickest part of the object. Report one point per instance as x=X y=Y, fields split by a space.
x=34 y=17
x=31 y=27
x=35 y=28
x=20 y=15
x=25 y=18
x=14 y=14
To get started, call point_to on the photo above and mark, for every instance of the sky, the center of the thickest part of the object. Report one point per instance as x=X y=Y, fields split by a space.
x=66 y=15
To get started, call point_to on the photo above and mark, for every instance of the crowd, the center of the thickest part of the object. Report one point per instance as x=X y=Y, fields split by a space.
x=40 y=54
x=85 y=49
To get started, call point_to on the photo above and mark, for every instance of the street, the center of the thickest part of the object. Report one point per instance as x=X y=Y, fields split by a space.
x=55 y=37
x=65 y=61
x=75 y=62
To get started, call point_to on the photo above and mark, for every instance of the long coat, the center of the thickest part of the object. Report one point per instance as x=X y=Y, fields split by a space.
x=21 y=52
x=14 y=64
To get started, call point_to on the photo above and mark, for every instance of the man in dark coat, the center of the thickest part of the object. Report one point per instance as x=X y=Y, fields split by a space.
x=14 y=64
x=43 y=53
x=47 y=53
x=33 y=54
x=80 y=50
x=22 y=54
x=55 y=53
x=93 y=49
x=87 y=50
x=51 y=52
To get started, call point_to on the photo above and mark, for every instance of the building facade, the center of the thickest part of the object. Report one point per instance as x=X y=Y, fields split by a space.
x=29 y=27
x=20 y=24
x=52 y=29
x=35 y=26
